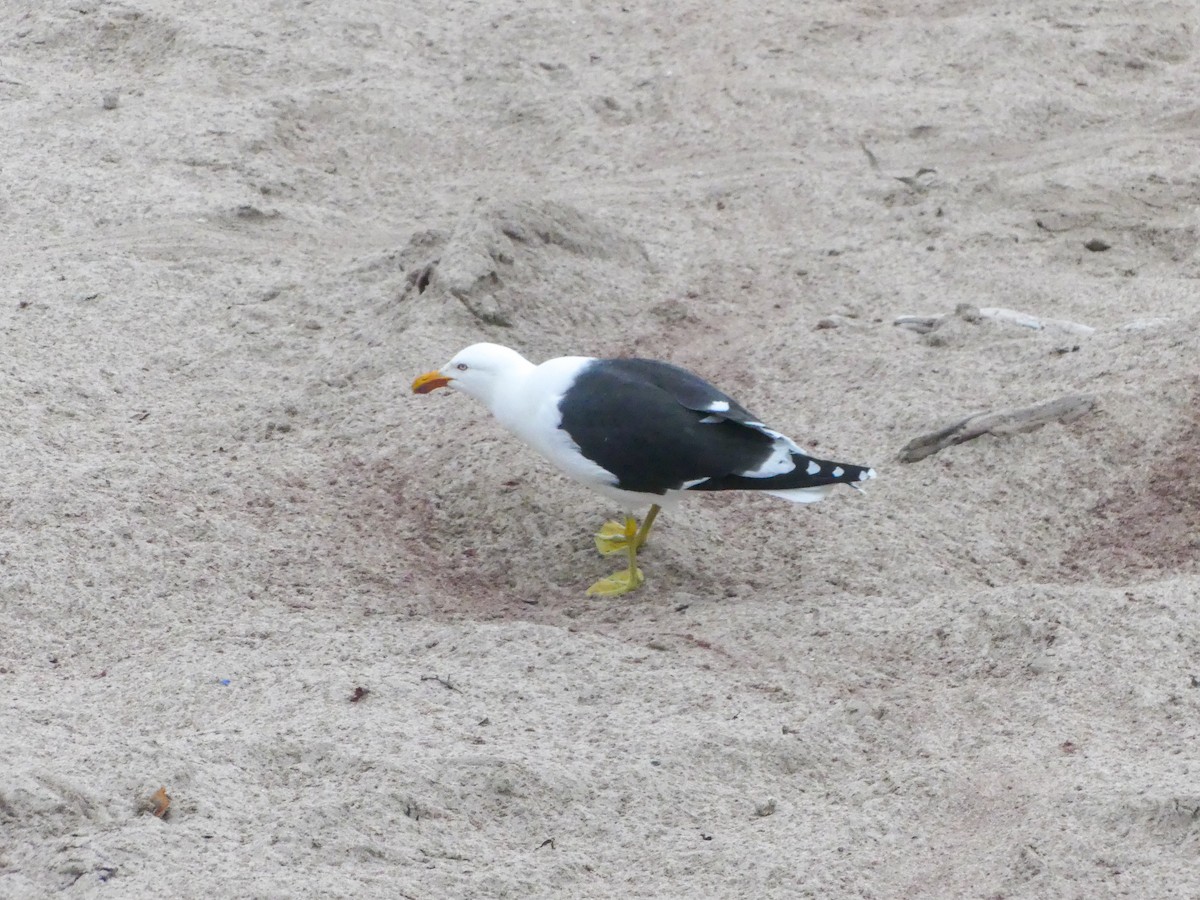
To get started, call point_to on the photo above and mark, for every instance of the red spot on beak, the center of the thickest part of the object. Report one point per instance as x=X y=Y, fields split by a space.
x=430 y=381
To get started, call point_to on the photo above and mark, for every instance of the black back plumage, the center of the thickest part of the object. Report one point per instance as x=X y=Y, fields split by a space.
x=654 y=426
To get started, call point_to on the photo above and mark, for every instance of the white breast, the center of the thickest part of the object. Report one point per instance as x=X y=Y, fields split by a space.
x=528 y=407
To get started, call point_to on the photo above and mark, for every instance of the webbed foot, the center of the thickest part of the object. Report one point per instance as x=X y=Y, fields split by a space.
x=611 y=539
x=618 y=583
x=614 y=537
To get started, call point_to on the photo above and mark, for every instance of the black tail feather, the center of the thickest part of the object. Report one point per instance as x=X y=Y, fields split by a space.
x=799 y=477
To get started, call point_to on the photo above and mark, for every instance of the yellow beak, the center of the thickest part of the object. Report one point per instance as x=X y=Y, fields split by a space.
x=430 y=381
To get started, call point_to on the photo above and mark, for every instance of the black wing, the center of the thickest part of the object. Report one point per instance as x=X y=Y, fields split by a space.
x=658 y=427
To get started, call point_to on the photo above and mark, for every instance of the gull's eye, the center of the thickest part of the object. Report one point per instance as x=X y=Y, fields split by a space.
x=462 y=367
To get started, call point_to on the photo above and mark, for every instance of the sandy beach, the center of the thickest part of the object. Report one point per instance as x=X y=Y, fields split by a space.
x=344 y=627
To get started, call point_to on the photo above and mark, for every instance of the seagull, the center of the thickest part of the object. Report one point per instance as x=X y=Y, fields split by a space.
x=640 y=432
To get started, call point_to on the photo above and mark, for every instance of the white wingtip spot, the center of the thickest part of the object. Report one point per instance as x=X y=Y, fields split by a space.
x=838 y=472
x=719 y=406
x=867 y=475
x=813 y=467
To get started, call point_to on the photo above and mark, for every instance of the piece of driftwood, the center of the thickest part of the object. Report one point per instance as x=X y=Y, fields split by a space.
x=926 y=324
x=1006 y=422
x=1025 y=320
x=919 y=324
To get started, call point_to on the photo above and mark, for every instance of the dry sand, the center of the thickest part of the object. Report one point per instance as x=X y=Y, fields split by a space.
x=232 y=234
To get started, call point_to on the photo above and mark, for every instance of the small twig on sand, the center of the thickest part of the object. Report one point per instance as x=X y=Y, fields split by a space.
x=444 y=682
x=1012 y=421
x=871 y=158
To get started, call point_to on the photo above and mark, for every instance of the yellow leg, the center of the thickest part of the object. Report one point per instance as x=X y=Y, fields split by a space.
x=644 y=531
x=628 y=580
x=611 y=538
